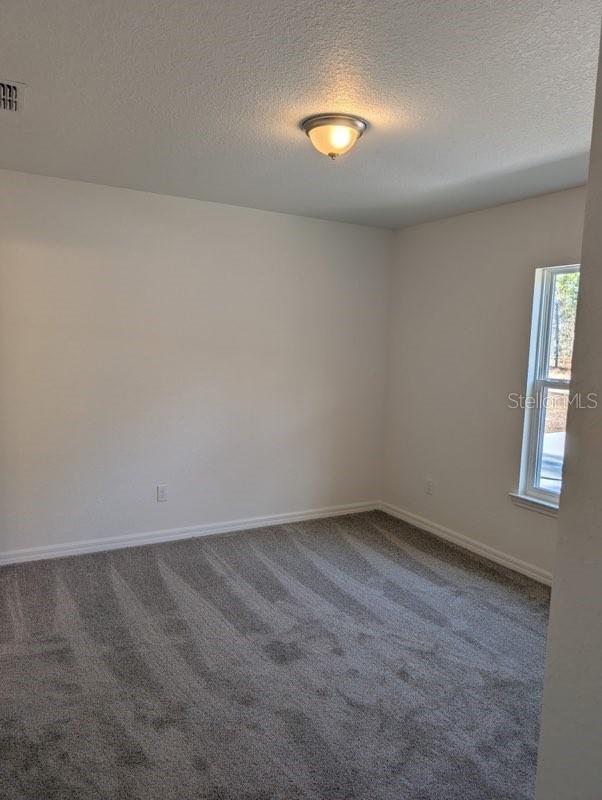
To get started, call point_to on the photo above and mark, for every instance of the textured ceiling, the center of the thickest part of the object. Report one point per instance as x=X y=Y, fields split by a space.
x=471 y=102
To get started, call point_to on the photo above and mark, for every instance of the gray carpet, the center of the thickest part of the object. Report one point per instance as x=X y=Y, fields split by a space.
x=352 y=657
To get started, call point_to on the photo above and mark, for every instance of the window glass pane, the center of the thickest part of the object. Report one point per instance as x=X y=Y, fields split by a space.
x=562 y=324
x=555 y=407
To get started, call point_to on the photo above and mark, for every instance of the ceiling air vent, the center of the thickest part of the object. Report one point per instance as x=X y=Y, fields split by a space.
x=11 y=96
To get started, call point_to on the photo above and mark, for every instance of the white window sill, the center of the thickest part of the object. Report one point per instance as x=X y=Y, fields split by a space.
x=541 y=506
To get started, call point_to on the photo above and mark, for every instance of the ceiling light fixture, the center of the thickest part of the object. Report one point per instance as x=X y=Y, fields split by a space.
x=333 y=134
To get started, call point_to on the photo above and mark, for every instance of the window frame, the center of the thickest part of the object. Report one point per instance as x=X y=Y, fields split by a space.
x=538 y=384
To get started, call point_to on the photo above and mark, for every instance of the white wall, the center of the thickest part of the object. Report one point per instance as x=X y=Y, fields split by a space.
x=236 y=355
x=571 y=734
x=240 y=357
x=460 y=316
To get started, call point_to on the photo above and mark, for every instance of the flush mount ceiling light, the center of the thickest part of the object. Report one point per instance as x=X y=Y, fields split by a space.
x=333 y=134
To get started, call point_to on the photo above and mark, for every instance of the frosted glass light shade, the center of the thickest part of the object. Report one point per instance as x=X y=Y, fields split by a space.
x=333 y=134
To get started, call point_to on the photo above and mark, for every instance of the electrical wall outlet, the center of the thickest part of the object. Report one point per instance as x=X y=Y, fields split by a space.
x=162 y=493
x=429 y=487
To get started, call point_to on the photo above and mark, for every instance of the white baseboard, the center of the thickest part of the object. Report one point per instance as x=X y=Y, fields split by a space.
x=490 y=553
x=152 y=537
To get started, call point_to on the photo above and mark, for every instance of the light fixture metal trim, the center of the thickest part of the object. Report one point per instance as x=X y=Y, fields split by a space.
x=350 y=120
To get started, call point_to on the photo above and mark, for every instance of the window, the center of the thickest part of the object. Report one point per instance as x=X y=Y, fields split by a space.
x=547 y=396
